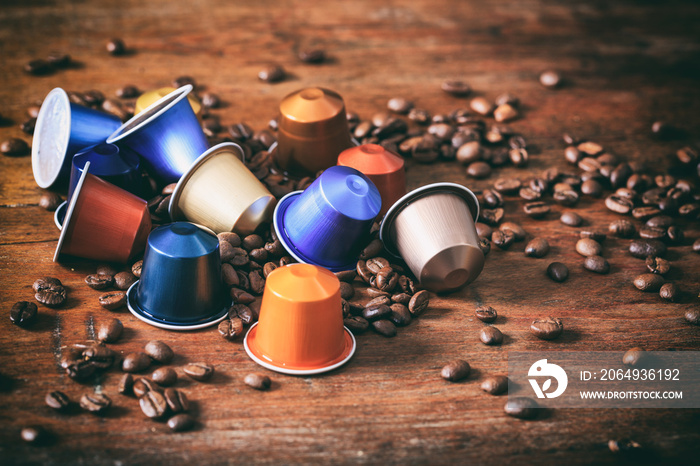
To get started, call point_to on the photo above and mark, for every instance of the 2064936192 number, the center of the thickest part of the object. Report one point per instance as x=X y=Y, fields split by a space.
x=639 y=374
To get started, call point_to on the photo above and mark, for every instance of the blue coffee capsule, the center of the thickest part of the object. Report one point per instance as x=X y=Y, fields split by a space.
x=329 y=223
x=181 y=287
x=166 y=134
x=62 y=129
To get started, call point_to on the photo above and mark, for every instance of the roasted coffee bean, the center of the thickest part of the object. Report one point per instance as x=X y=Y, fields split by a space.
x=588 y=247
x=28 y=126
x=177 y=400
x=231 y=328
x=99 y=282
x=481 y=106
x=519 y=157
x=596 y=264
x=356 y=324
x=99 y=356
x=373 y=249
x=135 y=362
x=346 y=290
x=521 y=407
x=257 y=381
x=507 y=185
x=113 y=300
x=642 y=249
x=390 y=127
x=647 y=232
x=675 y=234
x=550 y=79
x=536 y=209
x=505 y=112
x=590 y=148
x=272 y=74
x=144 y=385
x=401 y=298
x=456 y=370
x=456 y=87
x=572 y=155
x=492 y=198
x=376 y=264
x=571 y=219
x=159 y=351
x=486 y=314
x=495 y=385
x=547 y=329
x=241 y=296
x=648 y=282
x=363 y=271
x=375 y=312
x=537 y=247
x=400 y=315
x=484 y=245
x=115 y=47
x=670 y=292
x=657 y=265
x=268 y=268
x=312 y=55
x=622 y=228
x=136 y=268
x=251 y=242
x=95 y=403
x=245 y=314
x=153 y=405
x=441 y=131
x=592 y=188
x=199 y=371
x=57 y=400
x=237 y=257
x=229 y=275
x=625 y=446
x=126 y=384
x=419 y=302
x=419 y=116
x=35 y=435
x=399 y=105
x=375 y=293
x=110 y=331
x=384 y=327
x=619 y=204
x=645 y=212
x=124 y=280
x=503 y=238
x=517 y=231
x=50 y=201
x=386 y=279
x=181 y=422
x=490 y=336
x=78 y=369
x=230 y=237
x=49 y=293
x=492 y=216
x=23 y=313
x=347 y=276
x=595 y=235
x=692 y=316
x=479 y=170
x=633 y=357
x=38 y=67
x=257 y=282
x=211 y=100
x=483 y=230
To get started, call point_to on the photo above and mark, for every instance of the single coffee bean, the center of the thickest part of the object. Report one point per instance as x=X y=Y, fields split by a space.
x=57 y=400
x=95 y=403
x=486 y=314
x=558 y=272
x=245 y=314
x=590 y=148
x=126 y=384
x=144 y=385
x=78 y=369
x=373 y=249
x=572 y=155
x=483 y=230
x=696 y=246
x=384 y=327
x=495 y=385
x=99 y=355
x=164 y=376
x=479 y=170
x=153 y=405
x=550 y=79
x=419 y=302
x=642 y=249
x=51 y=295
x=115 y=47
x=177 y=400
x=231 y=238
x=571 y=219
x=518 y=231
x=23 y=313
x=492 y=216
x=381 y=311
x=592 y=188
x=481 y=106
x=503 y=238
x=110 y=331
x=456 y=370
x=658 y=265
x=456 y=87
x=536 y=209
x=159 y=351
x=113 y=300
x=123 y=280
x=505 y=112
x=619 y=204
x=507 y=185
x=692 y=316
x=251 y=242
x=346 y=290
x=647 y=232
x=469 y=152
x=675 y=234
x=648 y=282
x=537 y=247
x=50 y=201
x=347 y=276
x=135 y=362
x=645 y=212
x=595 y=235
x=99 y=282
x=28 y=126
x=399 y=105
x=625 y=446
x=199 y=371
x=492 y=198
x=136 y=269
x=106 y=269
x=376 y=264
x=356 y=324
x=312 y=55
x=670 y=292
x=485 y=245
x=491 y=336
x=596 y=264
x=521 y=407
x=401 y=298
x=231 y=328
x=272 y=74
x=257 y=282
x=633 y=357
x=35 y=435
x=363 y=271
x=241 y=296
x=181 y=422
x=547 y=329
x=257 y=381
x=400 y=315
x=622 y=228
x=587 y=247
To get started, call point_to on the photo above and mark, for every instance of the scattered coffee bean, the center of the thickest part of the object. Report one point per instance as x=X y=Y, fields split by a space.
x=78 y=369
x=231 y=328
x=384 y=327
x=312 y=55
x=596 y=264
x=144 y=385
x=642 y=249
x=622 y=228
x=550 y=79
x=537 y=247
x=116 y=47
x=657 y=265
x=592 y=188
x=507 y=185
x=619 y=204
x=456 y=88
x=670 y=292
x=547 y=329
x=49 y=291
x=598 y=236
x=106 y=269
x=272 y=74
x=492 y=216
x=456 y=370
x=536 y=209
x=199 y=371
x=34 y=435
x=400 y=315
x=419 y=302
x=399 y=105
x=257 y=381
x=587 y=247
x=346 y=290
x=181 y=422
x=521 y=407
x=135 y=362
x=164 y=376
x=153 y=404
x=479 y=170
x=110 y=331
x=126 y=384
x=590 y=148
x=558 y=272
x=123 y=280
x=486 y=314
x=50 y=201
x=99 y=282
x=490 y=336
x=356 y=324
x=517 y=231
x=136 y=269
x=95 y=403
x=692 y=316
x=159 y=351
x=381 y=311
x=624 y=446
x=113 y=300
x=633 y=357
x=495 y=385
x=57 y=400
x=503 y=238
x=571 y=219
x=505 y=112
x=211 y=100
x=647 y=232
x=23 y=313
x=177 y=400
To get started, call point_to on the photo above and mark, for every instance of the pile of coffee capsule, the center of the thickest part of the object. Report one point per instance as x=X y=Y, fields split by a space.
x=321 y=231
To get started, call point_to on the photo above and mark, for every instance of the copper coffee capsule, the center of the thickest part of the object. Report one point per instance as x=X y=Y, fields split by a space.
x=313 y=131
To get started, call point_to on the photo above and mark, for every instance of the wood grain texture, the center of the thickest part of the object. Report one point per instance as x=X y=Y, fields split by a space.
x=626 y=65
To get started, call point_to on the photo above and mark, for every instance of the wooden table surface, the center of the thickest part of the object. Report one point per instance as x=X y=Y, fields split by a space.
x=626 y=64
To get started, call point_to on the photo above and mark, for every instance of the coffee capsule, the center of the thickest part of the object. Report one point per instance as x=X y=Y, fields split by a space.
x=146 y=99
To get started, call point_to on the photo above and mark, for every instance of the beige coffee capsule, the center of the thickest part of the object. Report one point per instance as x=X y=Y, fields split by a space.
x=219 y=192
x=432 y=228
